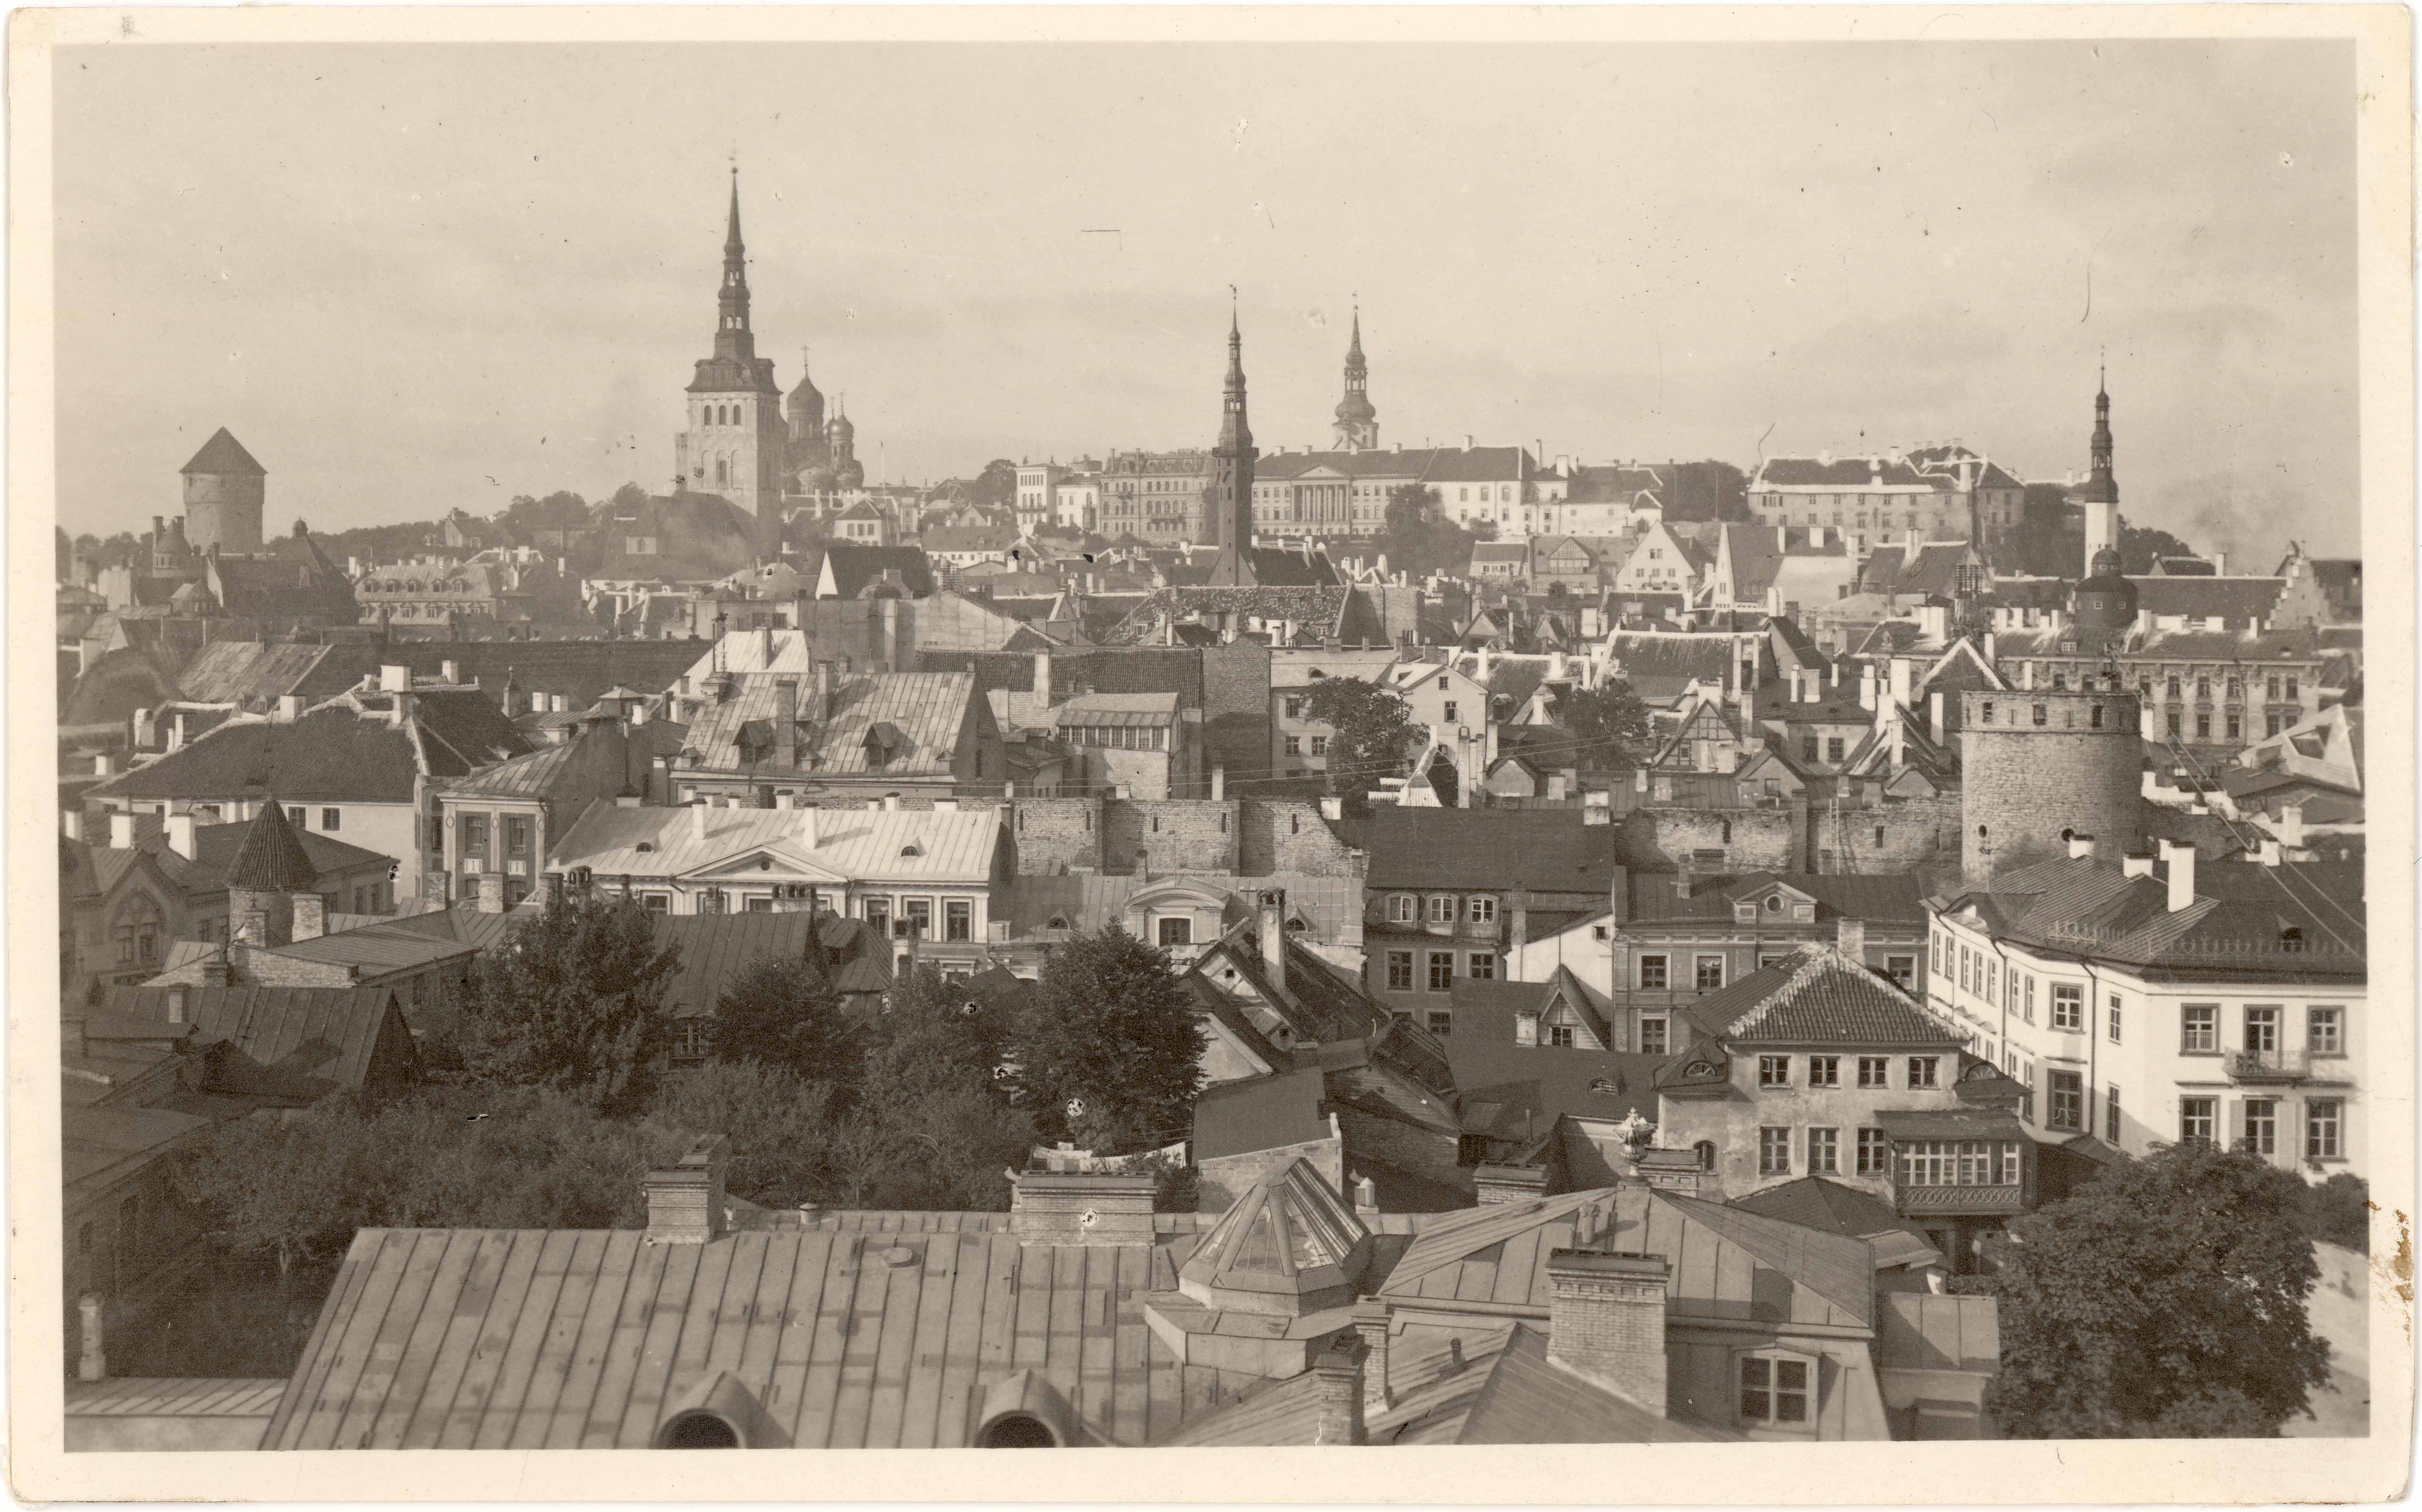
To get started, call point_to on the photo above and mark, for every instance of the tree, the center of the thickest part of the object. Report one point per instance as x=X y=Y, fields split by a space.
x=1707 y=491
x=1609 y=726
x=781 y=1128
x=995 y=484
x=1373 y=729
x=932 y=1036
x=2338 y=1211
x=2163 y=1299
x=2139 y=547
x=1111 y=1030
x=783 y=1012
x=572 y=1000
x=64 y=551
x=1417 y=538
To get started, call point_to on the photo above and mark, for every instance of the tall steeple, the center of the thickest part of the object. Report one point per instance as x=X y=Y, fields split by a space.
x=1358 y=423
x=731 y=334
x=1228 y=505
x=2100 y=486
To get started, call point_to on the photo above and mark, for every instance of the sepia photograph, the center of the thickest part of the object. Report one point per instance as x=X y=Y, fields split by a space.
x=1248 y=732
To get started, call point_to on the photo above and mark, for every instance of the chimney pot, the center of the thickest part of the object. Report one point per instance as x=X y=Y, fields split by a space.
x=2081 y=847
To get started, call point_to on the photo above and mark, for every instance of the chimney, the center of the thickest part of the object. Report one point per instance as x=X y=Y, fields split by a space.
x=2291 y=825
x=394 y=678
x=310 y=915
x=1273 y=932
x=450 y=671
x=786 y=721
x=1518 y=930
x=122 y=831
x=891 y=802
x=1526 y=1025
x=179 y=830
x=289 y=708
x=821 y=671
x=2179 y=864
x=808 y=825
x=103 y=763
x=1337 y=1390
x=1934 y=716
x=686 y=1203
x=1851 y=939
x=1902 y=673
x=1079 y=1207
x=697 y=819
x=1332 y=808
x=1042 y=678
x=92 y=1363
x=2137 y=863
x=72 y=824
x=1495 y=1183
x=2081 y=847
x=1218 y=782
x=1868 y=685
x=1371 y=1325
x=554 y=891
x=492 y=892
x=1682 y=879
x=215 y=971
x=2220 y=564
x=1606 y=1320
x=2269 y=855
x=177 y=995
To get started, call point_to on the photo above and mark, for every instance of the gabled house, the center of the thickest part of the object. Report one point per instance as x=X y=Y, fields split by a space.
x=756 y=736
x=344 y=1039
x=1818 y=1066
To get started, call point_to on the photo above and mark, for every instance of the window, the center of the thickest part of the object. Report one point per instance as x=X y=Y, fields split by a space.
x=2262 y=1030
x=1442 y=971
x=1875 y=1155
x=1294 y=745
x=2170 y=723
x=2111 y=1113
x=517 y=836
x=1400 y=909
x=1992 y=979
x=1922 y=1070
x=474 y=831
x=2067 y=1006
x=1833 y=748
x=1440 y=1022
x=1484 y=910
x=1824 y=1070
x=1710 y=972
x=691 y=1037
x=1774 y=1070
x=2198 y=1118
x=1823 y=1145
x=1443 y=909
x=917 y=918
x=958 y=919
x=1774 y=1152
x=656 y=901
x=1400 y=971
x=1448 y=710
x=1652 y=973
x=1320 y=745
x=2261 y=1125
x=878 y=913
x=1294 y=708
x=1560 y=1036
x=1960 y=1163
x=1936 y=942
x=1774 y=1389
x=332 y=819
x=2199 y=1029
x=1652 y=1036
x=1875 y=1071
x=2322 y=1137
x=2065 y=1100
x=1482 y=967
x=2325 y=1030
x=1177 y=931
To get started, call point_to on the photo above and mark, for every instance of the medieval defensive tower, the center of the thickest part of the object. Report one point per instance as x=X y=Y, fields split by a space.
x=2038 y=766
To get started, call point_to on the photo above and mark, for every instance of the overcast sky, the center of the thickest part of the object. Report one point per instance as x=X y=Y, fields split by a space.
x=415 y=278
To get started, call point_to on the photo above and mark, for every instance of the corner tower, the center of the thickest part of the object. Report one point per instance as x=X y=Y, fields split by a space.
x=734 y=443
x=1228 y=504
x=225 y=490
x=2038 y=766
x=1358 y=423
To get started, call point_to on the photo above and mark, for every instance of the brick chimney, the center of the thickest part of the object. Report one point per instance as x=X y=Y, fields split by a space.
x=686 y=1203
x=1371 y=1325
x=1495 y=1183
x=1273 y=932
x=1606 y=1320
x=492 y=892
x=1337 y=1389
x=1079 y=1207
x=310 y=915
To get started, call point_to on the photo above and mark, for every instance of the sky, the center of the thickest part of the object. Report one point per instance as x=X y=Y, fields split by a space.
x=411 y=278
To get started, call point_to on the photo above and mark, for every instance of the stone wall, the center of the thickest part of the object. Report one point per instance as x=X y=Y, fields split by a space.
x=1290 y=836
x=1057 y=835
x=1171 y=835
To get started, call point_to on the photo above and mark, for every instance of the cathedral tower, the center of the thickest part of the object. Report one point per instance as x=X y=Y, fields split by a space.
x=1228 y=503
x=735 y=443
x=1358 y=423
x=2100 y=493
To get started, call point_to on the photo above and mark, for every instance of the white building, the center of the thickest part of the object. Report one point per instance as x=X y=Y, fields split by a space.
x=2144 y=1004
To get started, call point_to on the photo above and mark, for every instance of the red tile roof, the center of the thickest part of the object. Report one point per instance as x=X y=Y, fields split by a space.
x=1819 y=997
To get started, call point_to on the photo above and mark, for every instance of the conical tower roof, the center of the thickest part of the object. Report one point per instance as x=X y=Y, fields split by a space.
x=224 y=456
x=272 y=858
x=1290 y=1245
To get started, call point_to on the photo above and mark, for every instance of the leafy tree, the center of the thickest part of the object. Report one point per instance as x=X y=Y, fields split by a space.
x=525 y=517
x=2338 y=1211
x=1416 y=536
x=781 y=1125
x=65 y=550
x=628 y=497
x=933 y=1035
x=1110 y=1027
x=1608 y=727
x=1706 y=491
x=1374 y=733
x=2163 y=1299
x=572 y=1000
x=783 y=1012
x=995 y=484
x=2140 y=544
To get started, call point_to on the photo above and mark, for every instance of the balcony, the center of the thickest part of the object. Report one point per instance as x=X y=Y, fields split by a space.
x=1972 y=1202
x=2274 y=1067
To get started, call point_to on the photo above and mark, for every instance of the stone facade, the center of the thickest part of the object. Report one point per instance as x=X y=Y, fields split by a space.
x=1173 y=835
x=1057 y=835
x=1290 y=836
x=2040 y=764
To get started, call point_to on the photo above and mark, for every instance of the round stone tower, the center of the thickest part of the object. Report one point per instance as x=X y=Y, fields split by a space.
x=224 y=489
x=2039 y=766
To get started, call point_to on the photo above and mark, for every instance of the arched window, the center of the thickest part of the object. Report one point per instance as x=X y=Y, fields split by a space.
x=722 y=471
x=1706 y=1151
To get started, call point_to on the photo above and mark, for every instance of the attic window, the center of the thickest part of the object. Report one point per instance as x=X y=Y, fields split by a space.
x=1606 y=1087
x=912 y=849
x=646 y=846
x=1057 y=921
x=1775 y=903
x=700 y=1431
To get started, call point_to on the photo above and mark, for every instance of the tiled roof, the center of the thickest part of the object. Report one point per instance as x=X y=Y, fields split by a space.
x=331 y=1033
x=336 y=752
x=252 y=674
x=2234 y=599
x=855 y=567
x=1819 y=997
x=271 y=859
x=215 y=851
x=863 y=1332
x=856 y=843
x=225 y=455
x=1613 y=485
x=2234 y=927
x=1842 y=472
x=1488 y=849
x=1830 y=1206
x=1513 y=1092
x=928 y=709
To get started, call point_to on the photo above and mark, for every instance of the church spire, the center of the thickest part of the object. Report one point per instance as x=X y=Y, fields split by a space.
x=2101 y=487
x=1358 y=423
x=1228 y=504
x=731 y=334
